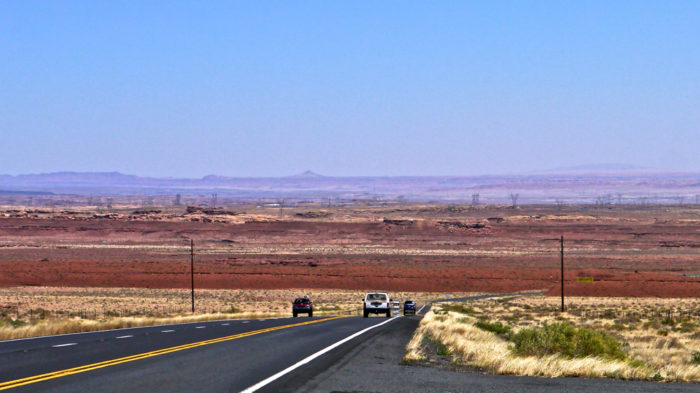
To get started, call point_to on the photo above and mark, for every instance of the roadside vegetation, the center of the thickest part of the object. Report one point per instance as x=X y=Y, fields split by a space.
x=651 y=339
x=39 y=311
x=12 y=329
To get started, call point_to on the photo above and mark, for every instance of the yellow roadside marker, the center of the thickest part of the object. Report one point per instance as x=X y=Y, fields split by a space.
x=88 y=367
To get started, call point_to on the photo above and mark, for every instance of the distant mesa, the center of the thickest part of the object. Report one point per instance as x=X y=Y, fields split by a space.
x=308 y=174
x=219 y=178
x=211 y=178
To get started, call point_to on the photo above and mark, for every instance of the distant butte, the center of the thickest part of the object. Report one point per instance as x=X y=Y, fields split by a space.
x=308 y=174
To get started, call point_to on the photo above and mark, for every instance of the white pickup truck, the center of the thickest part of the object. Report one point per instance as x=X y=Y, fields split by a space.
x=376 y=303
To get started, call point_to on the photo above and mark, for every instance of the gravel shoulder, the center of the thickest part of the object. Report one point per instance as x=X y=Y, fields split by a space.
x=375 y=365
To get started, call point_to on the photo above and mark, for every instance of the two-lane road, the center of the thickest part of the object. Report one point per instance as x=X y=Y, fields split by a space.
x=216 y=356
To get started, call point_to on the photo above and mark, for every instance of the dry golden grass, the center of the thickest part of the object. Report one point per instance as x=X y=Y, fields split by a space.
x=472 y=346
x=36 y=311
x=658 y=348
x=664 y=344
x=74 y=325
x=309 y=249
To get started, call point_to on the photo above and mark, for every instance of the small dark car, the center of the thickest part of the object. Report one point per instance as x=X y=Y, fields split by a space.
x=409 y=307
x=302 y=305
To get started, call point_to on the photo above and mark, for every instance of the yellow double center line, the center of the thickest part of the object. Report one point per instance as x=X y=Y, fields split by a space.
x=81 y=369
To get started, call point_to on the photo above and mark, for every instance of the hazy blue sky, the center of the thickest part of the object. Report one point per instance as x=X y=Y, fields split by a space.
x=347 y=88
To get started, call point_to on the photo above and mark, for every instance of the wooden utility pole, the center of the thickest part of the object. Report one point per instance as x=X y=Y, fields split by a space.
x=192 y=270
x=562 y=273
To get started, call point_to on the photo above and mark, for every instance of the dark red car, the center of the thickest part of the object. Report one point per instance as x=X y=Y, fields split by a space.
x=302 y=305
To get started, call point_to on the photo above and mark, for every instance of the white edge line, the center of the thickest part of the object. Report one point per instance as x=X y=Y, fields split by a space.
x=116 y=330
x=167 y=331
x=129 y=336
x=421 y=309
x=200 y=327
x=308 y=359
x=64 y=345
x=225 y=324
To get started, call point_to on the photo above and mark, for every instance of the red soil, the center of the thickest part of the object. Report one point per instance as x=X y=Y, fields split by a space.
x=631 y=254
x=629 y=285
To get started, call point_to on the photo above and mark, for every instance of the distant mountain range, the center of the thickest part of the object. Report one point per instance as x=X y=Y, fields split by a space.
x=576 y=184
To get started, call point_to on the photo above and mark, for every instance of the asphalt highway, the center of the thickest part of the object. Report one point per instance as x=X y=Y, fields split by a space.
x=326 y=354
x=217 y=356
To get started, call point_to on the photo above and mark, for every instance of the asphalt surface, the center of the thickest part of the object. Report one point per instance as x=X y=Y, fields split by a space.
x=225 y=366
x=374 y=365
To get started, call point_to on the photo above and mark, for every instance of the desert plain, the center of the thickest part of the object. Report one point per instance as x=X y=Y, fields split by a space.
x=615 y=250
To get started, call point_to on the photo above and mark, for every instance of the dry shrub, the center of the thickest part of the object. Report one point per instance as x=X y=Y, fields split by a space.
x=567 y=340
